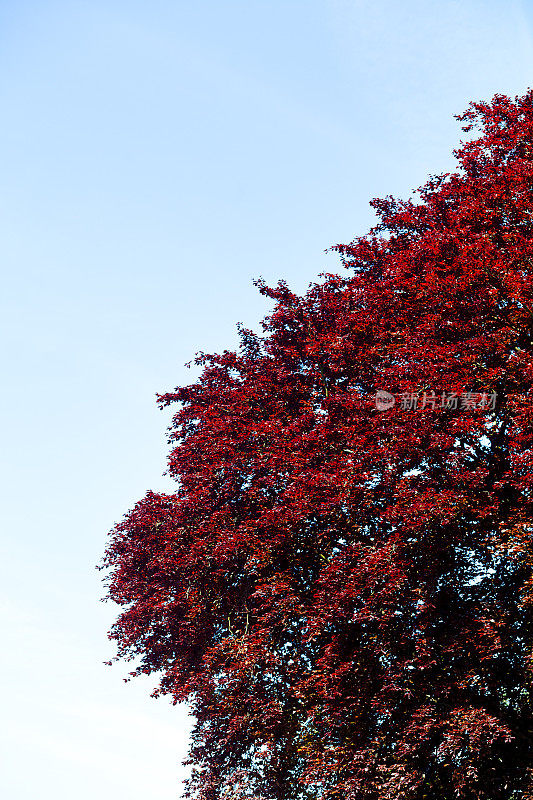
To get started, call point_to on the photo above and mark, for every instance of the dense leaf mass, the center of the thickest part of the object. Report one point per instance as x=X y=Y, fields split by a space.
x=343 y=593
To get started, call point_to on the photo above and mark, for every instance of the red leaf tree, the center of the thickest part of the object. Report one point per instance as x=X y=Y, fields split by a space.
x=342 y=587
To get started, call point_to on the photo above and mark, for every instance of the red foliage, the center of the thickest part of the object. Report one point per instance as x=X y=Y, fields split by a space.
x=344 y=593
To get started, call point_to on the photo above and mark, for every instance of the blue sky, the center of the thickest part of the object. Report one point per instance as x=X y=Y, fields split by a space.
x=156 y=157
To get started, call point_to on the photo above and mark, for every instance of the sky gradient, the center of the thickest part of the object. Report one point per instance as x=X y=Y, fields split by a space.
x=156 y=158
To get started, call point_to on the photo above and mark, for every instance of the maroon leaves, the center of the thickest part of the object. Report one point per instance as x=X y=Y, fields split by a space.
x=344 y=592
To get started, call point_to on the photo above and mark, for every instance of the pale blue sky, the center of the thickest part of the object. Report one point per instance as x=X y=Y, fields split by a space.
x=156 y=157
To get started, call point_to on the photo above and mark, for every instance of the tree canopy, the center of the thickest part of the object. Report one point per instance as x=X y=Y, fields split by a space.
x=342 y=587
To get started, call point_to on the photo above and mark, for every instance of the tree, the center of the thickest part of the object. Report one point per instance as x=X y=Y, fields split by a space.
x=342 y=586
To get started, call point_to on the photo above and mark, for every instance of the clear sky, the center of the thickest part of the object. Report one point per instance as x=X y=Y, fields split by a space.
x=155 y=158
